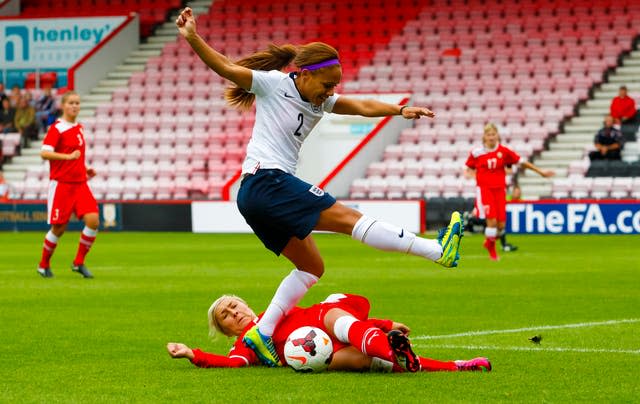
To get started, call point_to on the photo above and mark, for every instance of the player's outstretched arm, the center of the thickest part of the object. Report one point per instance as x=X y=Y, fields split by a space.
x=219 y=63
x=373 y=108
x=541 y=172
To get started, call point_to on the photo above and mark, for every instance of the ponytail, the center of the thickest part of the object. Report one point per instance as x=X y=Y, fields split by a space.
x=273 y=58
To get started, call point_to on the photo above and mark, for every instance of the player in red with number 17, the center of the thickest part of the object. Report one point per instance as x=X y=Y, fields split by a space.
x=64 y=147
x=487 y=164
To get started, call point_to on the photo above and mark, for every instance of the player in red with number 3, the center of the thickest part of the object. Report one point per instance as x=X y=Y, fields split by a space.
x=487 y=164
x=64 y=147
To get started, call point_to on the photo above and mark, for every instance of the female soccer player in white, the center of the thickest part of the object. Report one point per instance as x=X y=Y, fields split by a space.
x=281 y=209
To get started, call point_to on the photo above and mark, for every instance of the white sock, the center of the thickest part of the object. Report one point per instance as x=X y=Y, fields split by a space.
x=387 y=237
x=380 y=365
x=89 y=232
x=491 y=232
x=292 y=288
x=341 y=328
x=52 y=237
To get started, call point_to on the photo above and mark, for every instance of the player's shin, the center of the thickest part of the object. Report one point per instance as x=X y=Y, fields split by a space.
x=387 y=237
x=87 y=237
x=490 y=241
x=292 y=288
x=363 y=336
x=432 y=365
x=49 y=246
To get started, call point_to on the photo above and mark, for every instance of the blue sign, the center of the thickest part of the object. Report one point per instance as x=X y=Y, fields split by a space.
x=49 y=44
x=597 y=217
x=33 y=216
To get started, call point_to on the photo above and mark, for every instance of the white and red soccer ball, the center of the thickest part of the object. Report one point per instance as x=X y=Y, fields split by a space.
x=308 y=349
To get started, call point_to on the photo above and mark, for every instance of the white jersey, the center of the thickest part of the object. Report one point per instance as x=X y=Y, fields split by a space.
x=283 y=122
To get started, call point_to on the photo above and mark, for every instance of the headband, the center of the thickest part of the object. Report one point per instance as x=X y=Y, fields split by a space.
x=320 y=65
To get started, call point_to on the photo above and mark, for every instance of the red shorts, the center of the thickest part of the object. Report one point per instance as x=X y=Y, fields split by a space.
x=69 y=197
x=491 y=203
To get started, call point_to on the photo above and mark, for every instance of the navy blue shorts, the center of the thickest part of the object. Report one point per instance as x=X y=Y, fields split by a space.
x=279 y=206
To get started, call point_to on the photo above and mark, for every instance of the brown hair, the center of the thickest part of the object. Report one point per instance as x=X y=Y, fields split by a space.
x=277 y=58
x=66 y=96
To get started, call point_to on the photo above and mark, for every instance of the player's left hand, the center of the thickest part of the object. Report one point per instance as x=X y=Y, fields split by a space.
x=91 y=172
x=548 y=173
x=417 y=112
x=401 y=327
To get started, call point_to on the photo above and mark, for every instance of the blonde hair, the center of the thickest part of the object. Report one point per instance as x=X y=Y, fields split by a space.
x=490 y=126
x=277 y=58
x=214 y=326
x=66 y=96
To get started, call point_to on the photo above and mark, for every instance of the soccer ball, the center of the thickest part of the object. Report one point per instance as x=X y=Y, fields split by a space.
x=308 y=349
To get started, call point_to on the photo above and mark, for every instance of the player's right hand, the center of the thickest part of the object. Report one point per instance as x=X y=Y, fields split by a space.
x=178 y=350
x=186 y=23
x=74 y=155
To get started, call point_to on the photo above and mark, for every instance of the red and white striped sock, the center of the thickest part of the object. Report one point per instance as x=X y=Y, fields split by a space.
x=87 y=237
x=49 y=246
x=490 y=234
x=370 y=340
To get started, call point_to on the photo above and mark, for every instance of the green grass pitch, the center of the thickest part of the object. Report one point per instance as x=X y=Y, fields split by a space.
x=68 y=339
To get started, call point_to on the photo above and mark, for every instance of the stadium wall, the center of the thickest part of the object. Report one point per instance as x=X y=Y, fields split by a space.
x=224 y=217
x=526 y=217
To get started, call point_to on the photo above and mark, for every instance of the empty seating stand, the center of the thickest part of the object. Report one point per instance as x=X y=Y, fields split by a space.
x=152 y=12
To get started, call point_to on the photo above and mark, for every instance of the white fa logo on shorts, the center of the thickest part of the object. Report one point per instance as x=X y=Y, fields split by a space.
x=316 y=191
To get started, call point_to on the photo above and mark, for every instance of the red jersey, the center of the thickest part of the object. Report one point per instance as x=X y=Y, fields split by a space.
x=312 y=316
x=623 y=107
x=66 y=137
x=490 y=165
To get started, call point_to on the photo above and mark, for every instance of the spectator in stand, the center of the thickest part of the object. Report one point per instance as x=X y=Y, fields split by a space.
x=608 y=142
x=4 y=188
x=15 y=96
x=25 y=122
x=45 y=109
x=3 y=93
x=7 y=115
x=623 y=107
x=623 y=110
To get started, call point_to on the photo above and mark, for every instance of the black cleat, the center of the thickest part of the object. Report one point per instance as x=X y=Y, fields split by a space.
x=82 y=270
x=45 y=272
x=405 y=356
x=509 y=247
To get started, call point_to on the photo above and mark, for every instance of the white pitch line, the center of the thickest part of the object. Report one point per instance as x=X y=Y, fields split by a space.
x=539 y=328
x=520 y=348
